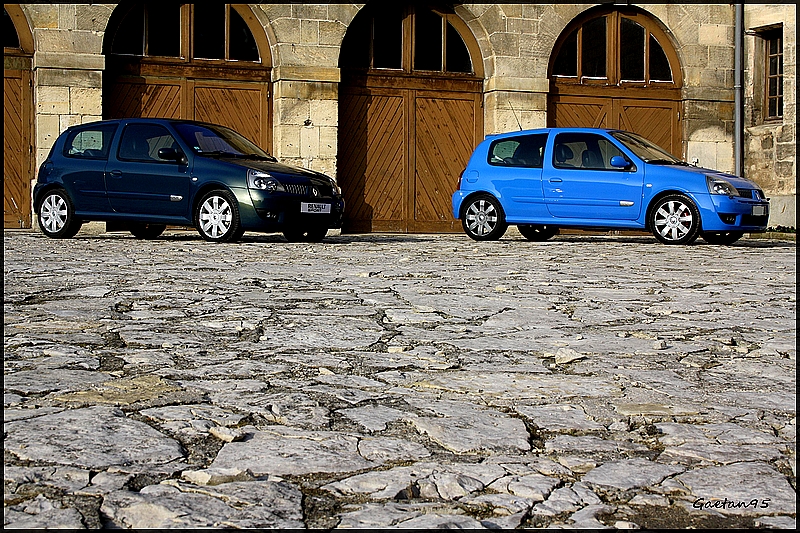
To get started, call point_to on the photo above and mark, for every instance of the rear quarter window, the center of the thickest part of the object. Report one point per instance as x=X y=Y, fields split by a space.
x=521 y=151
x=90 y=143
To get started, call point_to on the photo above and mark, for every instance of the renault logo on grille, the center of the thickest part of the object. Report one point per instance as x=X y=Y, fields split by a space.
x=314 y=191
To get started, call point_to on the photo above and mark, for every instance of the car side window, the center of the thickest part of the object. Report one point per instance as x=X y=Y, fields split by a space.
x=584 y=150
x=141 y=142
x=521 y=151
x=90 y=143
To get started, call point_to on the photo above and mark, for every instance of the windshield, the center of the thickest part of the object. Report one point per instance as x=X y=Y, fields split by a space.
x=646 y=150
x=217 y=140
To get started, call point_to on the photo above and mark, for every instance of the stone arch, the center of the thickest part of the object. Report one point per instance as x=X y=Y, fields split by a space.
x=222 y=77
x=617 y=67
x=410 y=114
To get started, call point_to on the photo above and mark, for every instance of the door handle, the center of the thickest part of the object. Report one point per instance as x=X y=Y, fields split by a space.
x=556 y=180
x=116 y=173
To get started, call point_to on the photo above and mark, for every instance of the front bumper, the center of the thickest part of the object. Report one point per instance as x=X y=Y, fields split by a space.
x=731 y=213
x=279 y=210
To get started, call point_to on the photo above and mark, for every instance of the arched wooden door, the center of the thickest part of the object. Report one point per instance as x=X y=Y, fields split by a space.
x=410 y=114
x=203 y=61
x=616 y=68
x=18 y=157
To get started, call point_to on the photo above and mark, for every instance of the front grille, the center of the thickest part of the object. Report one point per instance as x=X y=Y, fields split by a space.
x=745 y=193
x=294 y=188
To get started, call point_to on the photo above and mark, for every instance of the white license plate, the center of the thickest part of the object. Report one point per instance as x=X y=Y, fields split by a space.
x=308 y=207
x=759 y=210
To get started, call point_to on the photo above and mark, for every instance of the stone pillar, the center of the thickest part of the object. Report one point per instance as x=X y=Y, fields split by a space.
x=67 y=68
x=306 y=117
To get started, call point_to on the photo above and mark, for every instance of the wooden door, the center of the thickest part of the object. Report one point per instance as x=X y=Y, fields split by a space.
x=445 y=136
x=373 y=160
x=18 y=167
x=401 y=151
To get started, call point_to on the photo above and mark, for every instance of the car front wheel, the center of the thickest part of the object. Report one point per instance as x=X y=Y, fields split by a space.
x=675 y=219
x=57 y=216
x=484 y=219
x=537 y=233
x=217 y=217
x=723 y=238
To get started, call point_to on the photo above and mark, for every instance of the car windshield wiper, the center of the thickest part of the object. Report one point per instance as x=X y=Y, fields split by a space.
x=257 y=156
x=218 y=153
x=665 y=162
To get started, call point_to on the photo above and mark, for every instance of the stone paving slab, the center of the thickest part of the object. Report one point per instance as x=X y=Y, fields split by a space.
x=398 y=381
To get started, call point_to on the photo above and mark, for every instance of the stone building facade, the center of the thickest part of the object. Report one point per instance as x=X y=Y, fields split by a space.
x=63 y=57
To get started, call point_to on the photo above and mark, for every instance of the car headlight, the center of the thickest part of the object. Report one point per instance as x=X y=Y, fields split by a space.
x=335 y=187
x=718 y=185
x=258 y=179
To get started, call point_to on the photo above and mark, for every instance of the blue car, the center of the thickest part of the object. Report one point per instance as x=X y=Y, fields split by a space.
x=141 y=175
x=588 y=178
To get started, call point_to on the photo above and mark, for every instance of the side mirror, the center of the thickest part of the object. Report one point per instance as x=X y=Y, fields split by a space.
x=171 y=154
x=620 y=162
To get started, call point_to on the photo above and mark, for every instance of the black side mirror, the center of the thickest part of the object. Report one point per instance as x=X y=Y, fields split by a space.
x=171 y=154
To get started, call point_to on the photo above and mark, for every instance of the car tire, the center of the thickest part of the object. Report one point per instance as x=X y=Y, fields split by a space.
x=484 y=219
x=537 y=233
x=57 y=215
x=307 y=235
x=723 y=238
x=147 y=231
x=674 y=219
x=217 y=217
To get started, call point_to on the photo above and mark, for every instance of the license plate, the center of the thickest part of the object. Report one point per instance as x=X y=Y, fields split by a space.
x=759 y=210
x=308 y=207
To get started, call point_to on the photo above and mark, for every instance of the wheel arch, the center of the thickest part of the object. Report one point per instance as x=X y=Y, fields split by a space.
x=205 y=188
x=668 y=192
x=39 y=194
x=467 y=199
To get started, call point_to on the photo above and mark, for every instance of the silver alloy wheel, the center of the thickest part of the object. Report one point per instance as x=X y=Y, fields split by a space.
x=482 y=217
x=673 y=220
x=216 y=216
x=54 y=213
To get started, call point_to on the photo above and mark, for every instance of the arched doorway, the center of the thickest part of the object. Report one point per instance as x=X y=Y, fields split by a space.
x=18 y=158
x=616 y=68
x=203 y=61
x=410 y=114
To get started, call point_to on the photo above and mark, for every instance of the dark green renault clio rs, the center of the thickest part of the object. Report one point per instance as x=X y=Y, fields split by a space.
x=142 y=175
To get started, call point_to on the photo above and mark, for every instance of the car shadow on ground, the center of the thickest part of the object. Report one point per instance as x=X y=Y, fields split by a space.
x=509 y=239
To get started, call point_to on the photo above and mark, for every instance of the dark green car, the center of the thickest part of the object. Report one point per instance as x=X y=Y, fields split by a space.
x=142 y=175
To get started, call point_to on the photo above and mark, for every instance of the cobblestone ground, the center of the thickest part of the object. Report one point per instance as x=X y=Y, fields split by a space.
x=413 y=381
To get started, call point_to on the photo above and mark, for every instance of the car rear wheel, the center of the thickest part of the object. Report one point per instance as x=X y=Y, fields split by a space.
x=484 y=219
x=722 y=237
x=305 y=235
x=537 y=233
x=217 y=217
x=57 y=215
x=147 y=231
x=675 y=219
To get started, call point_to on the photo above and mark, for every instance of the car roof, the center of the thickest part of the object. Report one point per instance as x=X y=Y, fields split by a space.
x=548 y=130
x=134 y=120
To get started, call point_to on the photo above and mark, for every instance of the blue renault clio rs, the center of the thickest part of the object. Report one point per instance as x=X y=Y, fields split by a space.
x=586 y=178
x=141 y=175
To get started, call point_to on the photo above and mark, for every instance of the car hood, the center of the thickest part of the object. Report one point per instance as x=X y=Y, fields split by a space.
x=736 y=181
x=280 y=170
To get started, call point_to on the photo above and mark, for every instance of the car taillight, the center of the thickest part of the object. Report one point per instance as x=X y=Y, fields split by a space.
x=460 y=177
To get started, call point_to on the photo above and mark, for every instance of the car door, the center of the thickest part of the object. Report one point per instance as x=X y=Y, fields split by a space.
x=516 y=168
x=140 y=182
x=579 y=181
